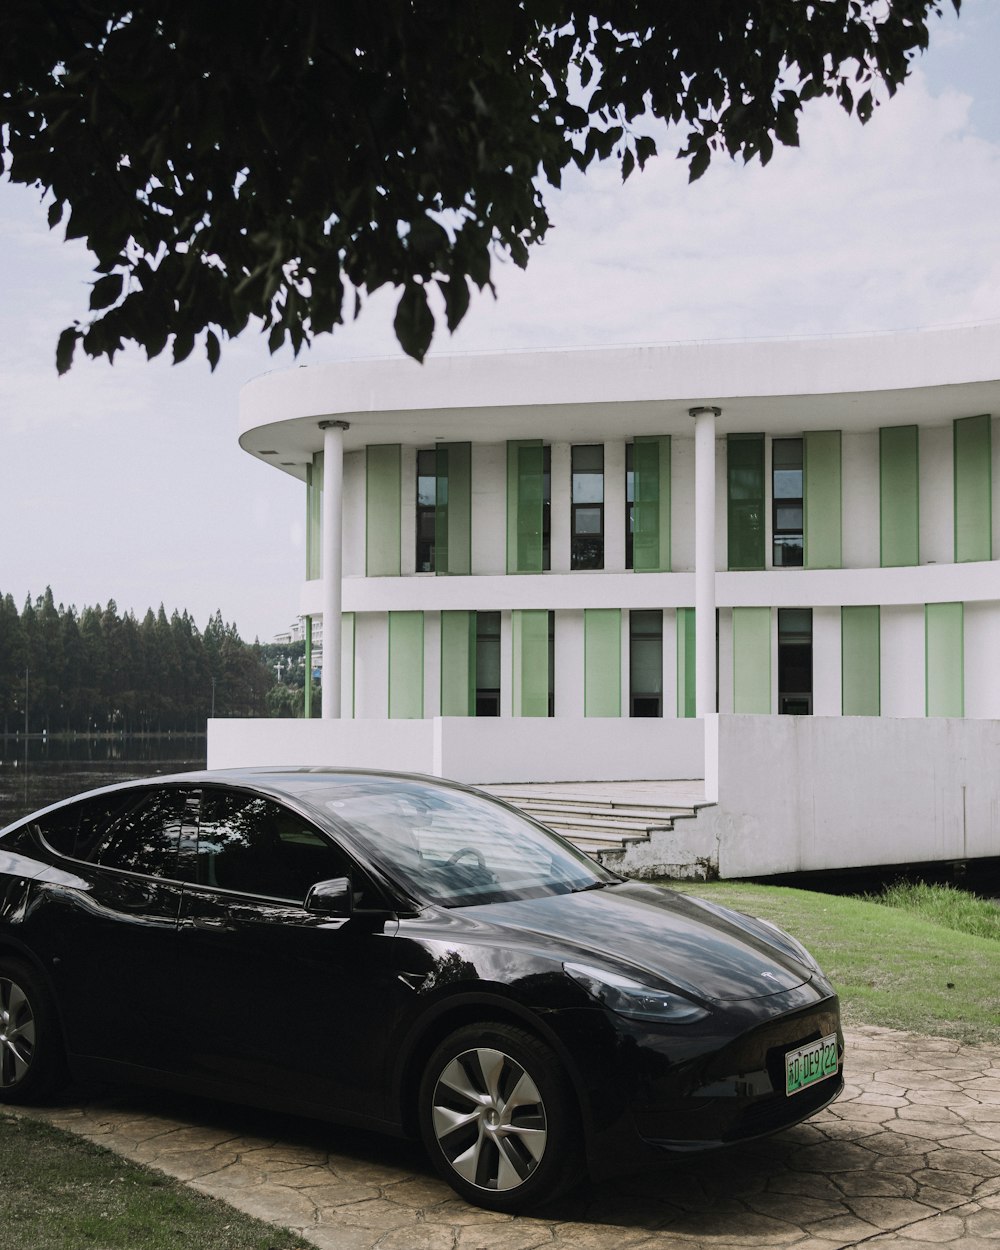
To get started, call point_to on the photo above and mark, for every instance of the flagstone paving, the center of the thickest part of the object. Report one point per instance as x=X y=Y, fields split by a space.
x=907 y=1157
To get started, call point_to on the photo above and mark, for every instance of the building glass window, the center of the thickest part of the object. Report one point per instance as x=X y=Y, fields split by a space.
x=587 y=531
x=487 y=663
x=444 y=500
x=629 y=503
x=647 y=504
x=427 y=488
x=795 y=661
x=645 y=663
x=786 y=502
x=745 y=500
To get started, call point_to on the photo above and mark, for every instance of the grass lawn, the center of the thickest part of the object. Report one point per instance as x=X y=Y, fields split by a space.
x=59 y=1192
x=896 y=963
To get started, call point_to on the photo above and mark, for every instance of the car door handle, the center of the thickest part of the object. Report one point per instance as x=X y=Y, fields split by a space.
x=211 y=922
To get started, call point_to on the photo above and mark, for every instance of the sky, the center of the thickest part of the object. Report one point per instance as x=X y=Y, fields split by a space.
x=126 y=481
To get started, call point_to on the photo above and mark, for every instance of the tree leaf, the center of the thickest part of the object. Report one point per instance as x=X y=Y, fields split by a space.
x=65 y=349
x=106 y=291
x=213 y=349
x=414 y=321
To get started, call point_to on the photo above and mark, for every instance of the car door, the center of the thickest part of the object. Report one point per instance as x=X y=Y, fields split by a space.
x=111 y=938
x=286 y=1006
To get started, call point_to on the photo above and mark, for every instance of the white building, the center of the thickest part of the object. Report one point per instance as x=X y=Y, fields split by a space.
x=561 y=565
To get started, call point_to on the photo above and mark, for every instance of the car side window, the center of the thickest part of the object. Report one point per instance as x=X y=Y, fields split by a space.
x=254 y=845
x=147 y=838
x=81 y=830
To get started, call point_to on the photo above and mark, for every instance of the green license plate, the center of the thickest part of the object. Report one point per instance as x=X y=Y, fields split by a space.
x=810 y=1064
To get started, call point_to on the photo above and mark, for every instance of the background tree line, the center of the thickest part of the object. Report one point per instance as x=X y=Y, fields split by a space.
x=98 y=671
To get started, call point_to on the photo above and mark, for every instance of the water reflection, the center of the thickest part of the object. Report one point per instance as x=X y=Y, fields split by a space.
x=39 y=770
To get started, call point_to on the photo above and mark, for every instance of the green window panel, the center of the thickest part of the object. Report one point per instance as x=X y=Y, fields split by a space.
x=458 y=663
x=602 y=662
x=973 y=489
x=860 y=661
x=530 y=662
x=314 y=518
x=944 y=624
x=406 y=665
x=746 y=500
x=651 y=509
x=525 y=497
x=822 y=499
x=382 y=510
x=453 y=509
x=752 y=660
x=686 y=705
x=899 y=495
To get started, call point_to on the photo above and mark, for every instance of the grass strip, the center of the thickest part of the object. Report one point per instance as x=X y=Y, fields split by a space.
x=944 y=904
x=61 y=1192
x=891 y=965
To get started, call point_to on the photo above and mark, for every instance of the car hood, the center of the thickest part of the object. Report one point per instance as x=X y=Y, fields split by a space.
x=698 y=948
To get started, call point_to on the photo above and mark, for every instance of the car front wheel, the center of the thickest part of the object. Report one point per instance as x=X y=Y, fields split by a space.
x=30 y=1049
x=499 y=1119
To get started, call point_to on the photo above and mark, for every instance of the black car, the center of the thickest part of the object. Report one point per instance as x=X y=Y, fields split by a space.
x=402 y=954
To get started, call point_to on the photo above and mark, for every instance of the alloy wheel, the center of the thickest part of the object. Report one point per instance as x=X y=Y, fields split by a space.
x=17 y=1033
x=489 y=1119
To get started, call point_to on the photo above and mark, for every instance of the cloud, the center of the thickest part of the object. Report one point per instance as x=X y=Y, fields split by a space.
x=888 y=226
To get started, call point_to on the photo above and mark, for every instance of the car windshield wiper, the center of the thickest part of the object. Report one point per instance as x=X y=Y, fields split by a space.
x=594 y=885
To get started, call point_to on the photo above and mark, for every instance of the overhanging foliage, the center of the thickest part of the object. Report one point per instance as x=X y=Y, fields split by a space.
x=229 y=162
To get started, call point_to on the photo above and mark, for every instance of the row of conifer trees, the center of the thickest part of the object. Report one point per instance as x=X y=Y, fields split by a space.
x=102 y=671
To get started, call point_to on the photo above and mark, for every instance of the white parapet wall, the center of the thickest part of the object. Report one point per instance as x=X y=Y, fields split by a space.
x=472 y=749
x=808 y=793
x=794 y=793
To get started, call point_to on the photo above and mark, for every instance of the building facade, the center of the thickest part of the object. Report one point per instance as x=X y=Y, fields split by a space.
x=804 y=527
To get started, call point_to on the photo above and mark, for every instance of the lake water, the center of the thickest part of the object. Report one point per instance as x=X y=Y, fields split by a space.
x=41 y=771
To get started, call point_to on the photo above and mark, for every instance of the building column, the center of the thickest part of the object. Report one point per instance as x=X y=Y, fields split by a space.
x=333 y=562
x=704 y=558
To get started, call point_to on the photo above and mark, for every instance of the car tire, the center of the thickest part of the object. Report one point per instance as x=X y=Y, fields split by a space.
x=31 y=1055
x=499 y=1118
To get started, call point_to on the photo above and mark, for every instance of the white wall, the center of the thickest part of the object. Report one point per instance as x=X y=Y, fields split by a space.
x=903 y=661
x=432 y=663
x=559 y=507
x=982 y=662
x=937 y=494
x=371 y=666
x=489 y=508
x=568 y=675
x=827 y=663
x=470 y=749
x=614 y=506
x=860 y=508
x=682 y=503
x=801 y=793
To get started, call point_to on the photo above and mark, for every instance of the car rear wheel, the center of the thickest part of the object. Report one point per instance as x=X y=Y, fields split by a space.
x=31 y=1062
x=499 y=1119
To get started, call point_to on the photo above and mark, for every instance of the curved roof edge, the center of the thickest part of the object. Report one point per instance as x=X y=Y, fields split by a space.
x=855 y=381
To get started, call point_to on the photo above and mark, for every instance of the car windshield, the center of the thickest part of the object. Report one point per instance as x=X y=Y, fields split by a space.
x=452 y=847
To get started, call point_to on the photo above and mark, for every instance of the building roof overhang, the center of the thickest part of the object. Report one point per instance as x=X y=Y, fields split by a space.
x=850 y=383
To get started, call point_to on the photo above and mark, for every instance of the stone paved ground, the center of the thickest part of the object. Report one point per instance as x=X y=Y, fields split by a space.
x=908 y=1157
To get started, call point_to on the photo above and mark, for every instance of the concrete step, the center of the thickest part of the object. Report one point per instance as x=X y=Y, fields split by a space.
x=596 y=822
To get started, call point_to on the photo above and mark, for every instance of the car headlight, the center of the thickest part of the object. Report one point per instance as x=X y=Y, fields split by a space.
x=631 y=998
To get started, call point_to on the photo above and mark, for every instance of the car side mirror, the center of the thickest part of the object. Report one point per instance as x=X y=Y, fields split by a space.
x=331 y=898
